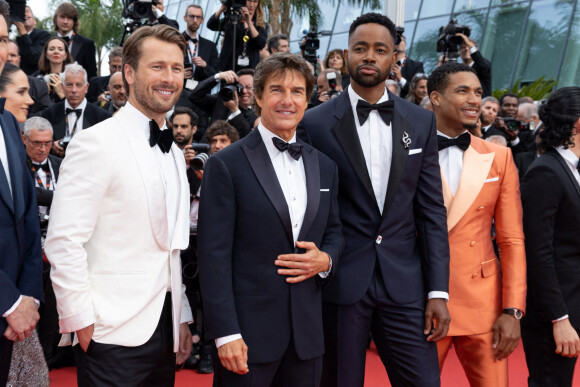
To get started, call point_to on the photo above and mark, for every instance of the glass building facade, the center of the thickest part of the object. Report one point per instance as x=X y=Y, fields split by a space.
x=523 y=39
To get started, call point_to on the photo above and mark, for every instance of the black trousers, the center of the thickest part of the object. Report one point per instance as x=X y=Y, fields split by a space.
x=5 y=358
x=150 y=364
x=397 y=330
x=546 y=367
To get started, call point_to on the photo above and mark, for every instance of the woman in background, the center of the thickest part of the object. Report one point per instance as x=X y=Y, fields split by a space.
x=55 y=55
x=335 y=60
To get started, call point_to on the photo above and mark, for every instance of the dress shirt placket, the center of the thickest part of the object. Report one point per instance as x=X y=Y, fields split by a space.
x=375 y=140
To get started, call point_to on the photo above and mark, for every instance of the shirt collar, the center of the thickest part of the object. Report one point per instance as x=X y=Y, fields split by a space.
x=140 y=119
x=194 y=36
x=446 y=136
x=568 y=155
x=69 y=35
x=82 y=106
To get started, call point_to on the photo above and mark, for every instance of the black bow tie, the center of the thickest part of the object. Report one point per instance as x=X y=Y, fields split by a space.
x=294 y=149
x=385 y=109
x=187 y=37
x=462 y=141
x=45 y=167
x=66 y=39
x=78 y=112
x=161 y=138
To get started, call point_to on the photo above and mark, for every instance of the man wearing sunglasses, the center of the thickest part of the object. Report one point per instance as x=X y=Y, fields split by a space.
x=201 y=54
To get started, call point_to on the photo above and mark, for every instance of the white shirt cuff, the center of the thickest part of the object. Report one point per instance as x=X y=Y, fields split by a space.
x=472 y=49
x=324 y=274
x=227 y=339
x=560 y=319
x=403 y=82
x=438 y=294
x=158 y=13
x=217 y=77
x=234 y=115
x=13 y=307
x=515 y=142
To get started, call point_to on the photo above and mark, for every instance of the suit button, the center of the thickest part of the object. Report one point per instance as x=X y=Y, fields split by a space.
x=379 y=240
x=472 y=243
x=474 y=275
x=480 y=208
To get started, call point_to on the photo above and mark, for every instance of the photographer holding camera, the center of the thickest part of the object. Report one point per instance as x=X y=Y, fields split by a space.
x=243 y=20
x=404 y=69
x=201 y=54
x=471 y=56
x=232 y=103
x=328 y=86
x=158 y=17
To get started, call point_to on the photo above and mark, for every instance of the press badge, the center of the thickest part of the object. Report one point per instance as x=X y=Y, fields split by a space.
x=191 y=84
x=243 y=61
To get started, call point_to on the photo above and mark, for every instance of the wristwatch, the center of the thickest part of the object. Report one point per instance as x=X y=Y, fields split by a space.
x=518 y=314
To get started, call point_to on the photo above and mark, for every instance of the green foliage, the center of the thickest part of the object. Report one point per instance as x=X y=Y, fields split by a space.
x=538 y=90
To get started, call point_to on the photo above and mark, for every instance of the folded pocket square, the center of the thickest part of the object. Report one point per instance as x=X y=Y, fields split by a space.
x=415 y=151
x=492 y=179
x=324 y=189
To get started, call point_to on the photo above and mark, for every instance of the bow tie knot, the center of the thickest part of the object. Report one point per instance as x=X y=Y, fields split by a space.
x=78 y=112
x=294 y=149
x=161 y=138
x=385 y=110
x=462 y=141
x=45 y=167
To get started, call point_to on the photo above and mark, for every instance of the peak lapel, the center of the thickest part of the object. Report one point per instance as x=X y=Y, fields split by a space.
x=312 y=170
x=257 y=155
x=475 y=170
x=447 y=194
x=566 y=169
x=5 y=194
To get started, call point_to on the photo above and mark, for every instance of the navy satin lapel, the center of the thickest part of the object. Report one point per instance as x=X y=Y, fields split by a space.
x=566 y=170
x=312 y=170
x=15 y=166
x=4 y=189
x=259 y=160
x=399 y=157
x=345 y=132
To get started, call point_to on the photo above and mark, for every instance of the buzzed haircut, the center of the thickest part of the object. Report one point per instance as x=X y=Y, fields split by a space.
x=375 y=18
x=489 y=99
x=503 y=97
x=439 y=78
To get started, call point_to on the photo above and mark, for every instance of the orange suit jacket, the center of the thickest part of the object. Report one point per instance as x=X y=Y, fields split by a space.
x=480 y=285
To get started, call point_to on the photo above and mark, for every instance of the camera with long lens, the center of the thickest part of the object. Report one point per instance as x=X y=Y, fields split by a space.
x=399 y=35
x=17 y=10
x=233 y=12
x=512 y=124
x=228 y=92
x=309 y=45
x=331 y=78
x=202 y=155
x=448 y=43
x=138 y=10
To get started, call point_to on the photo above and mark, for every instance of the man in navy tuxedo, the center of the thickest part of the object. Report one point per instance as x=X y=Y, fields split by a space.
x=268 y=238
x=21 y=260
x=394 y=272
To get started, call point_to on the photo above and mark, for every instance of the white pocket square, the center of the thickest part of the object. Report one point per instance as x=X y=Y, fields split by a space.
x=492 y=179
x=324 y=189
x=415 y=151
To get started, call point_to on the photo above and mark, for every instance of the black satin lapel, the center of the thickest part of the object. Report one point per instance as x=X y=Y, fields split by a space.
x=566 y=170
x=312 y=170
x=76 y=47
x=264 y=171
x=399 y=160
x=345 y=132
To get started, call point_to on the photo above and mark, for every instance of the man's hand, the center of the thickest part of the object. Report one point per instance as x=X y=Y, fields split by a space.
x=188 y=73
x=20 y=28
x=9 y=334
x=323 y=97
x=189 y=154
x=303 y=266
x=24 y=318
x=228 y=77
x=185 y=344
x=56 y=85
x=85 y=335
x=57 y=149
x=566 y=338
x=198 y=61
x=466 y=40
x=103 y=97
x=506 y=335
x=234 y=356
x=396 y=69
x=233 y=105
x=437 y=319
x=500 y=124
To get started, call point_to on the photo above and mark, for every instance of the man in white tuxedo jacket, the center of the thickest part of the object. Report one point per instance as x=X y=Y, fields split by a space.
x=119 y=220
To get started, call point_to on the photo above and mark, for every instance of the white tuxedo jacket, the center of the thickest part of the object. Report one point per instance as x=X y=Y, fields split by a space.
x=108 y=241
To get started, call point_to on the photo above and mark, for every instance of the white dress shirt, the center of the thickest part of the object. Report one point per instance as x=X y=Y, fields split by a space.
x=451 y=163
x=376 y=140
x=72 y=117
x=4 y=159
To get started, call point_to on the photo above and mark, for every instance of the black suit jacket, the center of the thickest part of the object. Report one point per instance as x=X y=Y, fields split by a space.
x=483 y=69
x=523 y=160
x=408 y=71
x=44 y=196
x=84 y=52
x=493 y=131
x=409 y=240
x=551 y=204
x=56 y=115
x=30 y=47
x=97 y=86
x=21 y=257
x=39 y=93
x=527 y=141
x=207 y=51
x=244 y=224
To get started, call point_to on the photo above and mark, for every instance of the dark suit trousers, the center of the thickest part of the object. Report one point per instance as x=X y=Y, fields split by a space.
x=546 y=367
x=5 y=358
x=397 y=331
x=288 y=371
x=150 y=364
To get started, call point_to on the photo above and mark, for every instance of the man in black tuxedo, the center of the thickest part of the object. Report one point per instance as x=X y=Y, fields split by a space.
x=98 y=85
x=551 y=204
x=21 y=259
x=82 y=49
x=201 y=55
x=74 y=113
x=471 y=56
x=527 y=115
x=30 y=41
x=269 y=203
x=403 y=68
x=117 y=94
x=489 y=114
x=394 y=272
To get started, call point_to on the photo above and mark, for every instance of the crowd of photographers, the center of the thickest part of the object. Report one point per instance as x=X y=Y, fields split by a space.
x=68 y=96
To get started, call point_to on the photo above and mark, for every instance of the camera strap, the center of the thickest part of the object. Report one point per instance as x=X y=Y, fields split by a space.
x=243 y=60
x=34 y=170
x=78 y=113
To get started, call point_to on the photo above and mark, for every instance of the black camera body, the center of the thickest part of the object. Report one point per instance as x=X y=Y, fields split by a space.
x=138 y=10
x=513 y=124
x=227 y=92
x=399 y=35
x=448 y=43
x=65 y=141
x=202 y=155
x=309 y=45
x=17 y=10
x=235 y=4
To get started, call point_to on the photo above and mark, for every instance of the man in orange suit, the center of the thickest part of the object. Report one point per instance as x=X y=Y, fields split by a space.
x=480 y=186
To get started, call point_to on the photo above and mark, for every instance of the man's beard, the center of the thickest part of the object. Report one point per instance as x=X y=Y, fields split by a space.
x=150 y=102
x=367 y=81
x=184 y=141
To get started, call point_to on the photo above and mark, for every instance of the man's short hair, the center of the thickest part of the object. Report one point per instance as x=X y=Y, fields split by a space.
x=193 y=6
x=36 y=123
x=276 y=65
x=246 y=72
x=5 y=11
x=503 y=97
x=193 y=118
x=68 y=10
x=529 y=110
x=133 y=48
x=376 y=18
x=559 y=115
x=489 y=99
x=221 y=127
x=116 y=52
x=395 y=84
x=497 y=139
x=74 y=69
x=274 y=42
x=439 y=78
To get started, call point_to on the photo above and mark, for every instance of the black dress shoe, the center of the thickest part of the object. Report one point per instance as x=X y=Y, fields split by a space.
x=205 y=364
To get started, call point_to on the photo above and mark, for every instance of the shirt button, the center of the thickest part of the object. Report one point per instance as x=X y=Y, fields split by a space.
x=289 y=172
x=296 y=226
x=293 y=197
x=379 y=240
x=472 y=243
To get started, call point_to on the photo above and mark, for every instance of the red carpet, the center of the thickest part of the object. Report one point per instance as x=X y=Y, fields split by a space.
x=376 y=375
